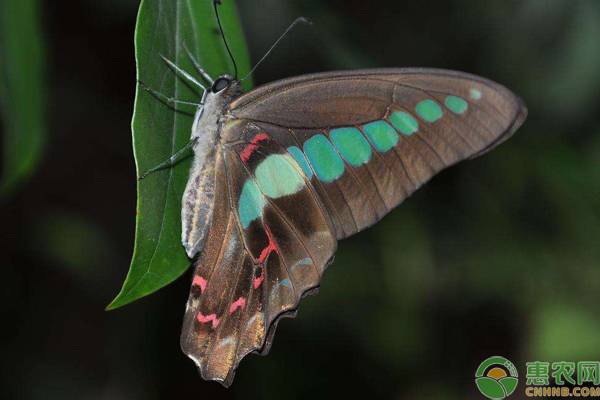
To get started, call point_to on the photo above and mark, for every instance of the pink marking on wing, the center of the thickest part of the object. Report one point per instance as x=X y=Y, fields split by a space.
x=199 y=281
x=239 y=303
x=208 y=318
x=252 y=146
x=271 y=247
x=257 y=281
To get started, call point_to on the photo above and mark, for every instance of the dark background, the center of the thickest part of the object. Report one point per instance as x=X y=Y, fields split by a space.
x=497 y=256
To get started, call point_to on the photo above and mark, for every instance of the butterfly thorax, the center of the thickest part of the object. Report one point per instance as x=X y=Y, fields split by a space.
x=207 y=117
x=198 y=198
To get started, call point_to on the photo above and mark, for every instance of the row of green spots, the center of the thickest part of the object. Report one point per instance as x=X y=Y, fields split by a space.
x=430 y=111
x=322 y=156
x=279 y=175
x=352 y=145
x=251 y=203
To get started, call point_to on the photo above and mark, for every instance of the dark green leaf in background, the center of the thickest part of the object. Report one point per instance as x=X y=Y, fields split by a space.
x=163 y=28
x=22 y=90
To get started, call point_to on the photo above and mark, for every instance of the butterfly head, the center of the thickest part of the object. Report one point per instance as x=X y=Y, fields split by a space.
x=225 y=85
x=221 y=83
x=214 y=100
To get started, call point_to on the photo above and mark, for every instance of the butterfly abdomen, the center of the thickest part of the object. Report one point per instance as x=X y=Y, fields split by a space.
x=197 y=205
x=198 y=199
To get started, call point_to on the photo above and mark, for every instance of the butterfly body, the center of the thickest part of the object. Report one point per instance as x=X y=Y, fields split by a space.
x=198 y=198
x=283 y=172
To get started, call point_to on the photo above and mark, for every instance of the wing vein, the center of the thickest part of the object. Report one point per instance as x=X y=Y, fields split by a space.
x=363 y=189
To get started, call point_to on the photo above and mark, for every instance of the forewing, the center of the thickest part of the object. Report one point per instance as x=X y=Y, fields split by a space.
x=371 y=138
x=263 y=253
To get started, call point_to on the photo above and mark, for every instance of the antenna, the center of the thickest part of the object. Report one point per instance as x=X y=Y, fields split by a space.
x=215 y=2
x=289 y=28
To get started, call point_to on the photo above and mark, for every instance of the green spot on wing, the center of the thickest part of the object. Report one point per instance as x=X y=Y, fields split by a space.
x=352 y=145
x=382 y=135
x=277 y=176
x=301 y=160
x=322 y=156
x=475 y=94
x=251 y=203
x=456 y=104
x=404 y=122
x=429 y=110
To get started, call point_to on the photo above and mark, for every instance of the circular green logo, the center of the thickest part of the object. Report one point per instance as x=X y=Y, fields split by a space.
x=496 y=378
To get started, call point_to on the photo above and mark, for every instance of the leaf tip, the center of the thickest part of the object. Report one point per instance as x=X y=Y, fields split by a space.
x=117 y=302
x=123 y=298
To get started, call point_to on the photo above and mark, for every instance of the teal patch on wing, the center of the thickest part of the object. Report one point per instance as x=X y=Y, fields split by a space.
x=382 y=135
x=278 y=176
x=456 y=104
x=429 y=110
x=305 y=262
x=301 y=160
x=251 y=203
x=322 y=156
x=352 y=145
x=404 y=122
x=475 y=94
x=285 y=282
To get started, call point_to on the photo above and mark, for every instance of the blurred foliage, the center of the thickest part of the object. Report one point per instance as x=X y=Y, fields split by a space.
x=164 y=27
x=496 y=256
x=22 y=91
x=77 y=246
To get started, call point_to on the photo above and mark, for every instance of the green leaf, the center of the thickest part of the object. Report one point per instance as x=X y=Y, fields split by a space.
x=163 y=28
x=22 y=91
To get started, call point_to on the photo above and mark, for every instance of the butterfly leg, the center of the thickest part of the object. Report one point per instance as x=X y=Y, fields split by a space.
x=183 y=74
x=165 y=98
x=179 y=155
x=200 y=70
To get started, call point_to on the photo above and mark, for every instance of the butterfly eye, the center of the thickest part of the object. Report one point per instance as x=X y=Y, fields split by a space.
x=220 y=84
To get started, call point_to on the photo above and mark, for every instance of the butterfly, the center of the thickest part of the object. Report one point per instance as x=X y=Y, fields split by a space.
x=284 y=171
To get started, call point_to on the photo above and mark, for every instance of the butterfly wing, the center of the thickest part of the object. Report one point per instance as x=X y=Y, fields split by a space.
x=262 y=255
x=373 y=137
x=309 y=160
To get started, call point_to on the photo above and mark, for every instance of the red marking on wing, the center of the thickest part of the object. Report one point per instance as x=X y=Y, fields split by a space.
x=208 y=318
x=199 y=281
x=252 y=146
x=271 y=247
x=239 y=303
x=257 y=281
x=264 y=253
